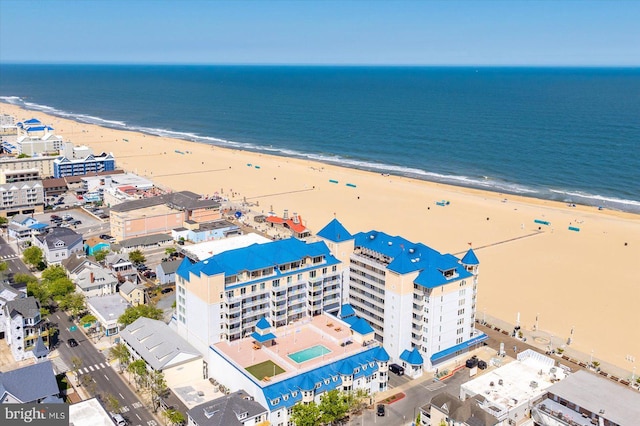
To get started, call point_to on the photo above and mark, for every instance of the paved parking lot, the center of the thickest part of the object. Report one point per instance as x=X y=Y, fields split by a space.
x=395 y=380
x=90 y=225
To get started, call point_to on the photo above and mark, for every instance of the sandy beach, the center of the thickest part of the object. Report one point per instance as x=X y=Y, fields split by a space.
x=583 y=280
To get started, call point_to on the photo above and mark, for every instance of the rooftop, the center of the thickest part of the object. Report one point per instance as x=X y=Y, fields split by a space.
x=109 y=307
x=207 y=249
x=89 y=413
x=31 y=383
x=319 y=330
x=229 y=410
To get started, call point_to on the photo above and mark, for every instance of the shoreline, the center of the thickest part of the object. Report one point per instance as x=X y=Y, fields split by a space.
x=503 y=188
x=568 y=279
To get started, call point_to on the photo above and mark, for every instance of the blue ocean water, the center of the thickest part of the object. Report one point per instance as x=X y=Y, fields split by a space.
x=568 y=134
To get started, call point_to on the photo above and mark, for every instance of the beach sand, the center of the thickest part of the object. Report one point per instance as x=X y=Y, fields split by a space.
x=583 y=280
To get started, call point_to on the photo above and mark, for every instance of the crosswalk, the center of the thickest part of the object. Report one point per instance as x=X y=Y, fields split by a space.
x=8 y=256
x=91 y=368
x=434 y=386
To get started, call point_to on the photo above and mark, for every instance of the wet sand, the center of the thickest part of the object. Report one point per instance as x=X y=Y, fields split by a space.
x=583 y=280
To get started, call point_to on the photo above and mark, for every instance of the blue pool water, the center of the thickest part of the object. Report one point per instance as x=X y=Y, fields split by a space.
x=309 y=353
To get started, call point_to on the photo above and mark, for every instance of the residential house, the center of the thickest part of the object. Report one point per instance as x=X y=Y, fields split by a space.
x=166 y=271
x=236 y=409
x=163 y=350
x=25 y=331
x=122 y=266
x=94 y=281
x=58 y=244
x=95 y=244
x=133 y=293
x=34 y=383
x=448 y=409
x=76 y=263
x=23 y=227
x=7 y=293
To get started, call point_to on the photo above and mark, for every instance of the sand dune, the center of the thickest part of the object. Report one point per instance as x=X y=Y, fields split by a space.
x=586 y=279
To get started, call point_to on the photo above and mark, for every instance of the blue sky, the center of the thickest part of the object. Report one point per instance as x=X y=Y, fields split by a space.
x=429 y=32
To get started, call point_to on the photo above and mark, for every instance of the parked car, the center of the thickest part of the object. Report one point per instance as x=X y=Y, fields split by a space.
x=76 y=222
x=72 y=343
x=105 y=237
x=55 y=217
x=380 y=411
x=395 y=368
x=166 y=290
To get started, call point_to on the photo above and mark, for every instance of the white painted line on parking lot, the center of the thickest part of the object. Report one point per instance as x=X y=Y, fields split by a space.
x=105 y=376
x=139 y=418
x=120 y=395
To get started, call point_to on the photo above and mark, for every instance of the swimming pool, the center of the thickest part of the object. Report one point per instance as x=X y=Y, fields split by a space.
x=309 y=353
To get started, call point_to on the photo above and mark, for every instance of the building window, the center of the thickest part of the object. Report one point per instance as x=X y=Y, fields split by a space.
x=253 y=288
x=243 y=291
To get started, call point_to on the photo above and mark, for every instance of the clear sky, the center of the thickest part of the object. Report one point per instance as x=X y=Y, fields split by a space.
x=428 y=32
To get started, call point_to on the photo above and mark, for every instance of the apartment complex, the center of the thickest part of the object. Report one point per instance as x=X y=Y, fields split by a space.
x=222 y=298
x=44 y=165
x=64 y=166
x=421 y=303
x=34 y=138
x=21 y=197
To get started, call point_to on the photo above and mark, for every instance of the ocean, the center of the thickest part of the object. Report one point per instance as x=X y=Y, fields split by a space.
x=565 y=134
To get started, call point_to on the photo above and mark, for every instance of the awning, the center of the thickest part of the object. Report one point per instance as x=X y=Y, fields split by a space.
x=262 y=338
x=464 y=345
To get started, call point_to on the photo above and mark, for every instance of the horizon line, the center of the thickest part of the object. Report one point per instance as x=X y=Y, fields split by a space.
x=326 y=65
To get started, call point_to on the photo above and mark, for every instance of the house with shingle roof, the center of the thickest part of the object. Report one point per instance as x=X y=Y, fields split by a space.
x=23 y=327
x=236 y=409
x=133 y=293
x=58 y=244
x=7 y=293
x=448 y=408
x=31 y=384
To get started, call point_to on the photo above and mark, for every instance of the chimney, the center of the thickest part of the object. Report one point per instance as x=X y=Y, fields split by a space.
x=91 y=277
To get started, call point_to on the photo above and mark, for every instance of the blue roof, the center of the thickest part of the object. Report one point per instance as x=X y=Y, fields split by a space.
x=38 y=225
x=470 y=258
x=413 y=357
x=381 y=355
x=435 y=269
x=346 y=311
x=257 y=257
x=327 y=377
x=260 y=338
x=334 y=231
x=464 y=345
x=32 y=121
x=263 y=324
x=361 y=326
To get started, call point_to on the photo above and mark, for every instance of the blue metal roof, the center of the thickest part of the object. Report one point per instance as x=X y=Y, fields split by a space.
x=257 y=257
x=334 y=231
x=470 y=258
x=327 y=376
x=346 y=311
x=413 y=357
x=361 y=326
x=263 y=324
x=261 y=338
x=381 y=355
x=38 y=225
x=407 y=257
x=464 y=345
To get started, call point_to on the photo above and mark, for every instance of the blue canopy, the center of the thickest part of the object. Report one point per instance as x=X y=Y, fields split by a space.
x=464 y=345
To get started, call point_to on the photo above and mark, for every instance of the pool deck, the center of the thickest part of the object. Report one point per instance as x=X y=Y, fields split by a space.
x=320 y=330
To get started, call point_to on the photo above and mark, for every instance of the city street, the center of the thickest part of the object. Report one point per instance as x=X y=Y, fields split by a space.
x=8 y=254
x=95 y=364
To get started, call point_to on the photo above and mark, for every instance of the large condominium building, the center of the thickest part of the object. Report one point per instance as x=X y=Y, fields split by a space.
x=44 y=165
x=21 y=197
x=420 y=302
x=64 y=166
x=37 y=138
x=222 y=297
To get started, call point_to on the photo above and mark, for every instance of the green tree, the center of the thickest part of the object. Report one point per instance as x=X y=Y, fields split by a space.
x=157 y=388
x=333 y=406
x=113 y=405
x=357 y=400
x=305 y=414
x=121 y=353
x=169 y=250
x=23 y=155
x=24 y=278
x=76 y=363
x=132 y=313
x=32 y=256
x=88 y=319
x=74 y=303
x=39 y=291
x=3 y=265
x=139 y=370
x=53 y=273
x=3 y=221
x=173 y=416
x=101 y=255
x=136 y=256
x=60 y=288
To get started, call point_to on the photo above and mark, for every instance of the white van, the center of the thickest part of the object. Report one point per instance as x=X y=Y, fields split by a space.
x=118 y=419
